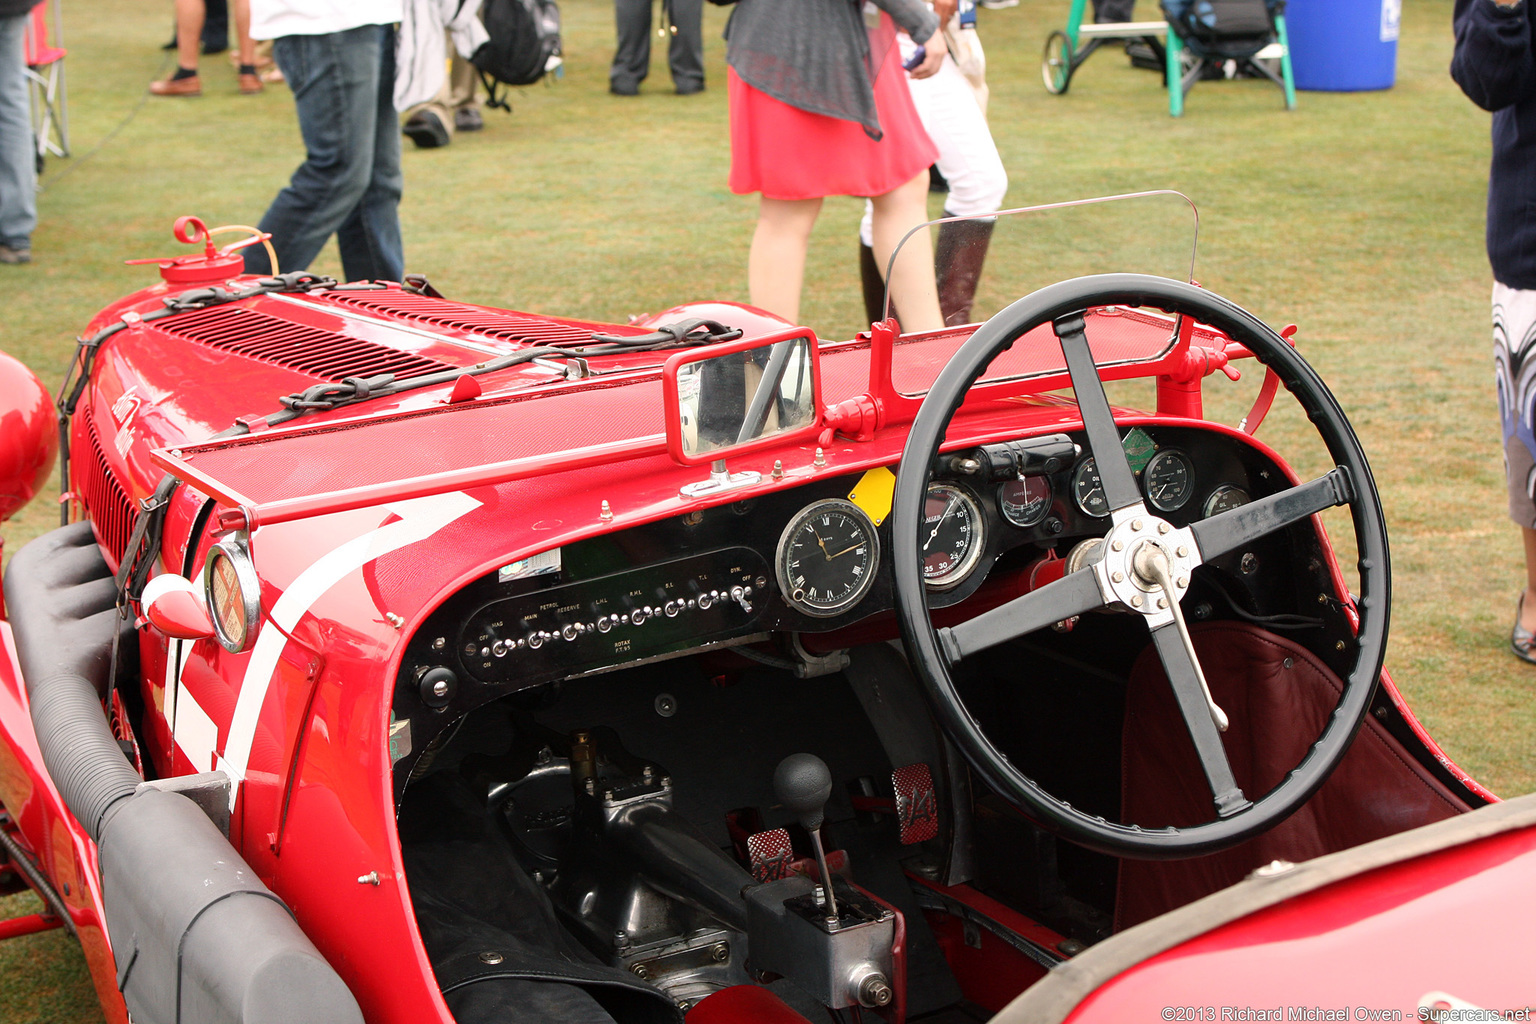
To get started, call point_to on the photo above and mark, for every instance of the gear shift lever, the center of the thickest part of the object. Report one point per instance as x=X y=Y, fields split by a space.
x=802 y=783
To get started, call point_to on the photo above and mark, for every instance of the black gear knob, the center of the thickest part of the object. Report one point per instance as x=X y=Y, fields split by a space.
x=802 y=783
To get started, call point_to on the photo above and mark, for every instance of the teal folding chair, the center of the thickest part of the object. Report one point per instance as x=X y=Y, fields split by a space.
x=1067 y=50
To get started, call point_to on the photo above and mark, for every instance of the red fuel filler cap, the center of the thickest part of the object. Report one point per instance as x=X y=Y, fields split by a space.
x=212 y=265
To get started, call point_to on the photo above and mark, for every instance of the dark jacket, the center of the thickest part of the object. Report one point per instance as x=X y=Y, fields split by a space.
x=16 y=8
x=1495 y=66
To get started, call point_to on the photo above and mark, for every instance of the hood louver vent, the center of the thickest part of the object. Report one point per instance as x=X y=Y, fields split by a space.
x=310 y=350
x=492 y=323
x=103 y=497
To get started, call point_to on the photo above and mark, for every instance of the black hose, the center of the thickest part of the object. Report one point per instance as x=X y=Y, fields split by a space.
x=63 y=610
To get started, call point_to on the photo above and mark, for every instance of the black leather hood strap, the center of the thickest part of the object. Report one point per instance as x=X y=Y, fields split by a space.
x=694 y=331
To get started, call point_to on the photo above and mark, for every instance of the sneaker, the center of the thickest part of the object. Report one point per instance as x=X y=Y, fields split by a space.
x=192 y=86
x=21 y=254
x=468 y=119
x=999 y=5
x=427 y=130
x=250 y=84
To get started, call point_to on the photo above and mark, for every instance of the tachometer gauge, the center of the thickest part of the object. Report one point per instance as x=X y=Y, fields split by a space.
x=1168 y=480
x=1225 y=497
x=1088 y=490
x=827 y=557
x=951 y=536
x=1024 y=502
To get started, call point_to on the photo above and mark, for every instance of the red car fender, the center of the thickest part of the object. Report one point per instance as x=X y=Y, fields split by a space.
x=60 y=847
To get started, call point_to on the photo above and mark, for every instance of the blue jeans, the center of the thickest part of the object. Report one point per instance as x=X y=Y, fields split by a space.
x=349 y=184
x=18 y=167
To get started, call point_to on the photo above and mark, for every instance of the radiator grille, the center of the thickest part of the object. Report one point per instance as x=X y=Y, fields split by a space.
x=310 y=350
x=105 y=501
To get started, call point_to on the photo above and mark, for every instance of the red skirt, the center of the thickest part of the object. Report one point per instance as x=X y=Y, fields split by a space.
x=788 y=153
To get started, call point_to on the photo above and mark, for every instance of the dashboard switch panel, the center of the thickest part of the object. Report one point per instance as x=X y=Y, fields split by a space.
x=622 y=617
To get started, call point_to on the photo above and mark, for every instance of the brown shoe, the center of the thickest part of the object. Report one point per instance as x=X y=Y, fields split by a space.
x=250 y=84
x=177 y=87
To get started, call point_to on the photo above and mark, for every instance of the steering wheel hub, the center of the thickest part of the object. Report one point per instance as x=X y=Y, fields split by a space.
x=1135 y=544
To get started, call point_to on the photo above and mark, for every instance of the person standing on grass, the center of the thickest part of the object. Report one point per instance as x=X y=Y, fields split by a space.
x=684 y=20
x=819 y=107
x=952 y=107
x=191 y=16
x=1495 y=64
x=339 y=60
x=18 y=160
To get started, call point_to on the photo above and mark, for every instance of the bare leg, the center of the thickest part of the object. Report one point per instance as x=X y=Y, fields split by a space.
x=913 y=291
x=1528 y=605
x=243 y=39
x=776 y=263
x=189 y=32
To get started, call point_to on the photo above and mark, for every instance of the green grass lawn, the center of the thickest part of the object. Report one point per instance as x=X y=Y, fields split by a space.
x=1357 y=216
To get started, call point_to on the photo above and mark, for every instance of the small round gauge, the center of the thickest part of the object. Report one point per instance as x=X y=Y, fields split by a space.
x=1225 y=497
x=1025 y=501
x=233 y=592
x=827 y=557
x=1088 y=489
x=951 y=536
x=1169 y=480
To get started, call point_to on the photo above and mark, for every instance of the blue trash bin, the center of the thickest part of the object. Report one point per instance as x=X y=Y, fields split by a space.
x=1343 y=45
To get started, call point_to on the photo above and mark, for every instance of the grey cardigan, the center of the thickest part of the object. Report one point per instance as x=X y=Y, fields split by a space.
x=816 y=54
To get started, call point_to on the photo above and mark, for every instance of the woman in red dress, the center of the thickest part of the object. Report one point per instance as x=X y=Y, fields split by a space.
x=818 y=108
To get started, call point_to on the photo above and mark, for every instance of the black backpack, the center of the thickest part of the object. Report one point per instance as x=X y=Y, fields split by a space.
x=525 y=34
x=1224 y=29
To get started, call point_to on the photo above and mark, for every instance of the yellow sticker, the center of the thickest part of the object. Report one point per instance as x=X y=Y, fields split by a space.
x=873 y=493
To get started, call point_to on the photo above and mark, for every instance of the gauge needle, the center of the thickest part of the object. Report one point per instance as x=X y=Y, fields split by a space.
x=821 y=543
x=851 y=547
x=939 y=525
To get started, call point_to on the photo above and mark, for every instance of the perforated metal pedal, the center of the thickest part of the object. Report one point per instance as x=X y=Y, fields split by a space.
x=770 y=853
x=917 y=805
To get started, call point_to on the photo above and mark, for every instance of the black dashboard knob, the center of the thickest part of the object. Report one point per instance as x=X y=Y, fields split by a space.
x=438 y=685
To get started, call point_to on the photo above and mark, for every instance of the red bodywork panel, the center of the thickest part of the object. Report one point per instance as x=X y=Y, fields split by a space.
x=1380 y=941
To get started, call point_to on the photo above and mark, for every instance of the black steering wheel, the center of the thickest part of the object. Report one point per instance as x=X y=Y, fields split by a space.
x=1142 y=559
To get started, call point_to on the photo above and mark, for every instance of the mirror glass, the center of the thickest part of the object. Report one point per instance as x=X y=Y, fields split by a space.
x=730 y=400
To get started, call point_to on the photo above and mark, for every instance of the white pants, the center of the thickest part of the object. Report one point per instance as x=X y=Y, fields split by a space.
x=1514 y=371
x=968 y=157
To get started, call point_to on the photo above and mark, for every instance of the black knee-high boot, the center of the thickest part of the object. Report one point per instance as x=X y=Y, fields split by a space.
x=874 y=285
x=957 y=261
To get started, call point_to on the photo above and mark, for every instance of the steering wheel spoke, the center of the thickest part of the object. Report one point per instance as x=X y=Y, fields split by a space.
x=1246 y=523
x=1193 y=696
x=1115 y=475
x=1073 y=594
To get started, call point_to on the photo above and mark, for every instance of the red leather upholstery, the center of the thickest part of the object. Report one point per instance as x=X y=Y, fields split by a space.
x=1277 y=696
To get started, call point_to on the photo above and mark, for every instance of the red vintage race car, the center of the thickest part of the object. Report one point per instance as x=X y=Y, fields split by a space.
x=403 y=659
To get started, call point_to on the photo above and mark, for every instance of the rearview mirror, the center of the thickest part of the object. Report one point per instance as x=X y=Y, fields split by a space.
x=741 y=397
